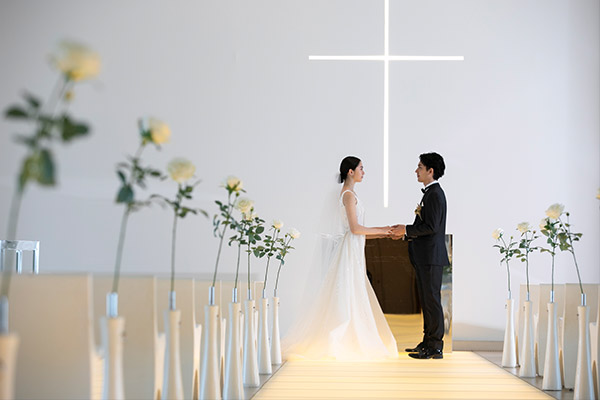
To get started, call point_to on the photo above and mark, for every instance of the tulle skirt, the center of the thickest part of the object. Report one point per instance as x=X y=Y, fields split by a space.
x=344 y=321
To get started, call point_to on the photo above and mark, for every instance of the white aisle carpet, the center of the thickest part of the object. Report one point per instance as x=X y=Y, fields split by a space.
x=460 y=375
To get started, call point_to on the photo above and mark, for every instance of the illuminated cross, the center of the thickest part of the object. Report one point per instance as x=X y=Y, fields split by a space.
x=386 y=58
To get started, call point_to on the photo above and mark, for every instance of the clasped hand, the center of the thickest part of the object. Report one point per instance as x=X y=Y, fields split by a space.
x=395 y=231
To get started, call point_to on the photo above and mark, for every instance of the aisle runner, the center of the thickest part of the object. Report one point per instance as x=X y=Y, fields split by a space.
x=460 y=375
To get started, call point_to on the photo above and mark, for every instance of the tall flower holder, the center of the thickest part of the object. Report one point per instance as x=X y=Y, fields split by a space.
x=210 y=371
x=552 y=379
x=584 y=384
x=527 y=369
x=113 y=330
x=9 y=345
x=509 y=350
x=275 y=336
x=264 y=354
x=250 y=371
x=232 y=382
x=172 y=379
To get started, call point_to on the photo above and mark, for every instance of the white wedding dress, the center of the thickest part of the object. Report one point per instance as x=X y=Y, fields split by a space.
x=345 y=322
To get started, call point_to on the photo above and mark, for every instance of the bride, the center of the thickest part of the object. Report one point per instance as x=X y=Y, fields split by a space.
x=345 y=321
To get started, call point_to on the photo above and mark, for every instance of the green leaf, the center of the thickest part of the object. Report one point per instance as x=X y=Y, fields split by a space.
x=125 y=194
x=31 y=100
x=24 y=174
x=72 y=130
x=16 y=112
x=46 y=169
x=122 y=177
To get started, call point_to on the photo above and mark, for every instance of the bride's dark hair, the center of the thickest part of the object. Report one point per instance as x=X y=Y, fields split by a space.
x=347 y=164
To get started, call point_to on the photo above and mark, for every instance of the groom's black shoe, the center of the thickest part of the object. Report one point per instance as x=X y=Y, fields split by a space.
x=427 y=353
x=416 y=349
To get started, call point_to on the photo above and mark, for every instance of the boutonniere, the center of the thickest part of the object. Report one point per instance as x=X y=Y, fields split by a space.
x=418 y=210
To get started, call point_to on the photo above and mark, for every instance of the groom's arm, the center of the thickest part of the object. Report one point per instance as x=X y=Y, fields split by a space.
x=432 y=218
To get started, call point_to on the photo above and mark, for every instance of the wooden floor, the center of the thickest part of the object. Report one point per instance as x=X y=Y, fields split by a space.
x=460 y=375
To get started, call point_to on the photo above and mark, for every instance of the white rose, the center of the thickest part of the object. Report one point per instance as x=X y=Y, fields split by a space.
x=159 y=131
x=294 y=233
x=543 y=223
x=497 y=234
x=555 y=211
x=250 y=216
x=277 y=224
x=244 y=205
x=233 y=183
x=76 y=61
x=181 y=170
x=523 y=227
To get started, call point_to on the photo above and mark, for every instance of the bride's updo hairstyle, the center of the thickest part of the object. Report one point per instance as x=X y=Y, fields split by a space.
x=347 y=164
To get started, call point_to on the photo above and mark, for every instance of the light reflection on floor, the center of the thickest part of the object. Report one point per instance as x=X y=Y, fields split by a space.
x=460 y=375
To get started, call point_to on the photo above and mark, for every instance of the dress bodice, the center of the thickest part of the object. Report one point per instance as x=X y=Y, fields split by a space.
x=360 y=212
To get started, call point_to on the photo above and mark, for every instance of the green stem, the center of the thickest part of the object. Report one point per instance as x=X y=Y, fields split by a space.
x=508 y=274
x=237 y=269
x=122 y=231
x=13 y=218
x=248 y=266
x=280 y=264
x=11 y=235
x=277 y=280
x=573 y=253
x=527 y=272
x=553 y=268
x=173 y=253
x=527 y=263
x=269 y=258
x=507 y=267
x=229 y=206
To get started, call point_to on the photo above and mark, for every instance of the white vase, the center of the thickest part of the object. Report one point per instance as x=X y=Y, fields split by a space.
x=172 y=379
x=527 y=369
x=275 y=336
x=552 y=379
x=9 y=346
x=264 y=353
x=210 y=370
x=113 y=331
x=232 y=382
x=509 y=350
x=250 y=371
x=584 y=384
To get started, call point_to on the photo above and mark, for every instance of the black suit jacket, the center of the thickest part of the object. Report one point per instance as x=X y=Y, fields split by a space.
x=427 y=234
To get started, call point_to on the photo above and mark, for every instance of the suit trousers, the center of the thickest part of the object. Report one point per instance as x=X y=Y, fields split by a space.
x=429 y=285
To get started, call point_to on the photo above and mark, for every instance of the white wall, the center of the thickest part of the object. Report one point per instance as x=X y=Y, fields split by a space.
x=517 y=122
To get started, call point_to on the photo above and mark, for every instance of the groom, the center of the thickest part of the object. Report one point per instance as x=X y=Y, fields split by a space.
x=428 y=254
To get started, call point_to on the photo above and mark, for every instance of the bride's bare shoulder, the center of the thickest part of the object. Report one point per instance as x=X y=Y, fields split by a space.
x=349 y=197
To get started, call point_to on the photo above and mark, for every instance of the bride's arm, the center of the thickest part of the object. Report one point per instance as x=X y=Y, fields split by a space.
x=350 y=205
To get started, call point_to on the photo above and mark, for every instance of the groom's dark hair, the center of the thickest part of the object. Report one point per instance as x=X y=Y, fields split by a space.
x=435 y=161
